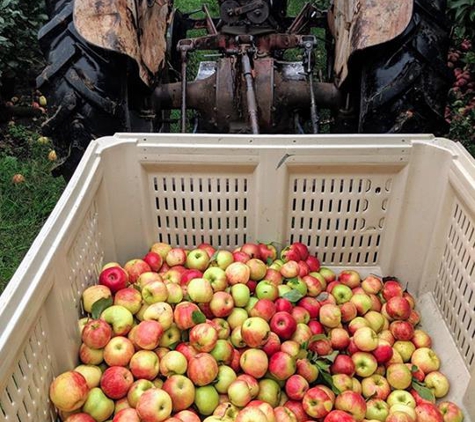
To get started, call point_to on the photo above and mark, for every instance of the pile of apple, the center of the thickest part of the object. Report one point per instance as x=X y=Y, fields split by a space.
x=251 y=335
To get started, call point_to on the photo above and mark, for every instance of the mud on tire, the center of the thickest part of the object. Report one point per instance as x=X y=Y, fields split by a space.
x=404 y=84
x=88 y=87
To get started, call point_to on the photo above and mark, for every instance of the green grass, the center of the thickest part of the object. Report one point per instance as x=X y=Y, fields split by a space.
x=25 y=206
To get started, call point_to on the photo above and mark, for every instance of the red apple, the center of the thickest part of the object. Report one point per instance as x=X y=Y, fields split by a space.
x=255 y=331
x=203 y=337
x=126 y=415
x=339 y=338
x=69 y=391
x=401 y=330
x=252 y=249
x=352 y=403
x=343 y=364
x=175 y=256
x=307 y=369
x=272 y=345
x=283 y=324
x=116 y=381
x=181 y=390
x=282 y=366
x=115 y=278
x=383 y=352
x=339 y=416
x=118 y=351
x=392 y=288
x=296 y=386
x=154 y=405
x=330 y=315
x=375 y=387
x=317 y=403
x=135 y=267
x=313 y=263
x=202 y=369
x=398 y=308
x=148 y=334
x=144 y=365
x=450 y=412
x=254 y=362
x=184 y=315
x=428 y=412
x=297 y=409
x=350 y=278
x=154 y=260
x=311 y=304
x=96 y=334
x=283 y=305
x=238 y=273
x=264 y=308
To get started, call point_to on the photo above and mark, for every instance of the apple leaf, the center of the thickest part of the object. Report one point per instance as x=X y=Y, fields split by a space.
x=293 y=296
x=331 y=357
x=317 y=337
x=173 y=345
x=322 y=296
x=327 y=379
x=425 y=392
x=269 y=261
x=99 y=305
x=198 y=317
x=214 y=256
x=321 y=364
x=304 y=345
x=372 y=396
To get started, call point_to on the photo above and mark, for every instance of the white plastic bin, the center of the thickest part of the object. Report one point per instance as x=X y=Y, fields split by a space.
x=390 y=205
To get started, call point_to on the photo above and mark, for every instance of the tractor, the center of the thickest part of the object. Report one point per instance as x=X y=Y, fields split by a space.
x=242 y=66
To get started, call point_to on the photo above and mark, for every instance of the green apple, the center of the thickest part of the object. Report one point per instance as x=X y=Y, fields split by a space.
x=120 y=318
x=283 y=289
x=298 y=284
x=206 y=399
x=377 y=409
x=341 y=293
x=405 y=348
x=266 y=290
x=237 y=317
x=170 y=337
x=226 y=376
x=92 y=373
x=200 y=290
x=241 y=295
x=401 y=397
x=136 y=390
x=269 y=391
x=98 y=405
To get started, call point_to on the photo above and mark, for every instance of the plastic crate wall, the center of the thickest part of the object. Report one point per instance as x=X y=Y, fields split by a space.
x=25 y=396
x=228 y=198
x=454 y=291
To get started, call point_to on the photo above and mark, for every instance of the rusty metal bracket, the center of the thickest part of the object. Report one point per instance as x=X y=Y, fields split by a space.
x=184 y=47
x=308 y=42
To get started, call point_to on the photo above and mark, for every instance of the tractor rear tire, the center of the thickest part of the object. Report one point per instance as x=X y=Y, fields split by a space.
x=404 y=83
x=88 y=88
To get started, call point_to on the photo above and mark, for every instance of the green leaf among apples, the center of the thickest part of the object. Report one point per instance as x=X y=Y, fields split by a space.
x=293 y=296
x=99 y=306
x=425 y=392
x=198 y=317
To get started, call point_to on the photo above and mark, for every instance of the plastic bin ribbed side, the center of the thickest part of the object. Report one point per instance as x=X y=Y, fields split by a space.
x=388 y=205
